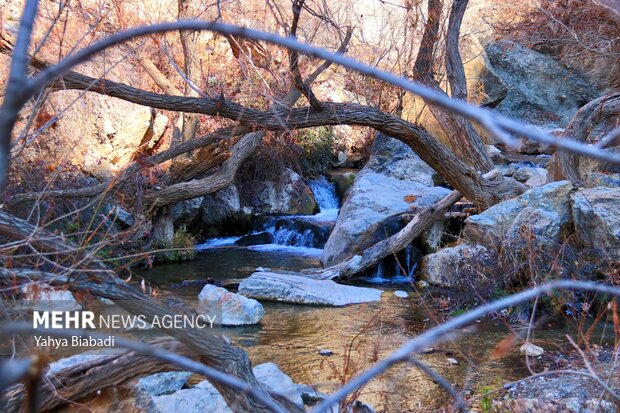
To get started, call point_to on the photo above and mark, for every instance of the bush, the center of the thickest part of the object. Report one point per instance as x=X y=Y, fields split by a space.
x=317 y=146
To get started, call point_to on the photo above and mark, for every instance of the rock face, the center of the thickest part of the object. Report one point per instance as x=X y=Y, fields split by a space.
x=540 y=90
x=289 y=196
x=291 y=288
x=205 y=398
x=394 y=181
x=543 y=212
x=102 y=132
x=596 y=214
x=237 y=310
x=457 y=266
x=221 y=206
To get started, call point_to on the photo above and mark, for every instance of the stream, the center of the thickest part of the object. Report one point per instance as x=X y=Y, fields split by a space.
x=292 y=335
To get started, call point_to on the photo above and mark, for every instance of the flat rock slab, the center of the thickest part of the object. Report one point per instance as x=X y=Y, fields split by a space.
x=294 y=288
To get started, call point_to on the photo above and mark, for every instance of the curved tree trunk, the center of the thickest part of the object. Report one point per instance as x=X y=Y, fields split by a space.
x=580 y=129
x=96 y=278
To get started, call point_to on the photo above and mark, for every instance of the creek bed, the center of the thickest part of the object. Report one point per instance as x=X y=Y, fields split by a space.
x=292 y=335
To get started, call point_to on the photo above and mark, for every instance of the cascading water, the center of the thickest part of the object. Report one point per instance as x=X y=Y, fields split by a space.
x=325 y=195
x=394 y=271
x=299 y=231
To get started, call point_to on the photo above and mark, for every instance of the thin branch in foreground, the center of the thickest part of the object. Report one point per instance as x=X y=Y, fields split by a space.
x=175 y=359
x=500 y=126
x=438 y=333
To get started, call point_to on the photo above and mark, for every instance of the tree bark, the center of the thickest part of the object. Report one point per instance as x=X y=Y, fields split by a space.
x=84 y=379
x=463 y=139
x=580 y=129
x=191 y=67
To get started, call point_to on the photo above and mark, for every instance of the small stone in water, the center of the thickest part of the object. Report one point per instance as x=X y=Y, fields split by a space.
x=452 y=361
x=326 y=352
x=401 y=294
x=531 y=350
x=422 y=284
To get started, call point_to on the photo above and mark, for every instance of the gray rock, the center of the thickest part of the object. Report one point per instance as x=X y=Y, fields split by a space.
x=291 y=288
x=596 y=215
x=289 y=196
x=539 y=179
x=201 y=398
x=184 y=213
x=561 y=393
x=236 y=309
x=205 y=398
x=508 y=170
x=255 y=239
x=121 y=217
x=526 y=172
x=540 y=90
x=271 y=376
x=544 y=210
x=163 y=383
x=393 y=182
x=221 y=206
x=456 y=266
x=609 y=180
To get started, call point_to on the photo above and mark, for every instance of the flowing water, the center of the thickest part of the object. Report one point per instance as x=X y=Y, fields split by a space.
x=292 y=335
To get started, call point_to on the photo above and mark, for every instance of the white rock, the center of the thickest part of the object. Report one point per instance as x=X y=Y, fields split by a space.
x=42 y=297
x=401 y=294
x=452 y=361
x=205 y=398
x=236 y=309
x=291 y=288
x=531 y=350
x=393 y=182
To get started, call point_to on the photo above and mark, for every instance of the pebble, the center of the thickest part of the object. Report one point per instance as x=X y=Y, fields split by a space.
x=452 y=361
x=531 y=350
x=326 y=352
x=401 y=294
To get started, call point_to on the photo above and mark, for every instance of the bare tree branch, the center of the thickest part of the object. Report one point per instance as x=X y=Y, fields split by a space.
x=498 y=125
x=438 y=333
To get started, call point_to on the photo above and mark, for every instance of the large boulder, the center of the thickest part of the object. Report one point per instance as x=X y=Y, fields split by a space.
x=458 y=266
x=395 y=181
x=220 y=206
x=542 y=212
x=184 y=213
x=288 y=196
x=237 y=310
x=297 y=289
x=596 y=215
x=98 y=134
x=540 y=89
x=205 y=398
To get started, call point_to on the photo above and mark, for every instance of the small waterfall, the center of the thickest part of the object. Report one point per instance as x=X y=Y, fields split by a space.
x=325 y=195
x=285 y=235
